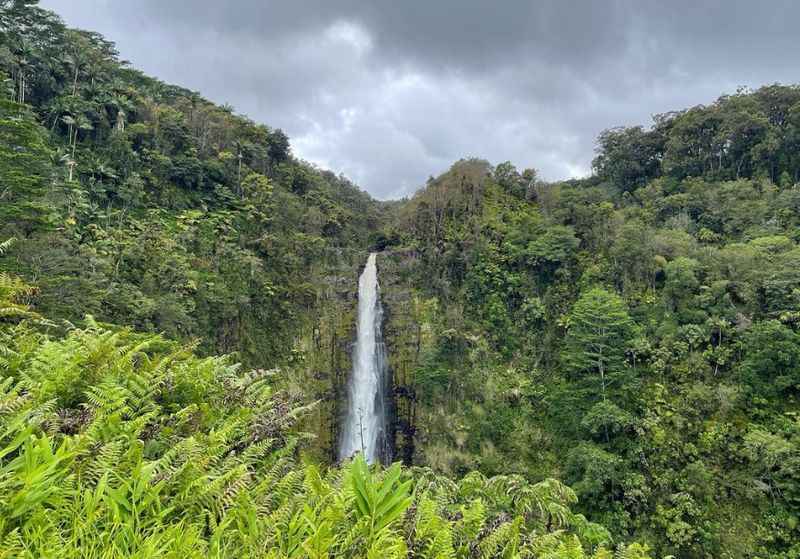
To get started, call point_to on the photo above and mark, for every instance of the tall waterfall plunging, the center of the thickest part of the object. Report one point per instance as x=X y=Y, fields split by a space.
x=365 y=424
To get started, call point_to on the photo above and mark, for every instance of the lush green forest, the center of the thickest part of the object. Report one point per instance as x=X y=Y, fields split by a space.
x=605 y=367
x=634 y=334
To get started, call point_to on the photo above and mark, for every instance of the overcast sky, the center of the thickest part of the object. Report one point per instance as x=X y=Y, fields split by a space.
x=389 y=92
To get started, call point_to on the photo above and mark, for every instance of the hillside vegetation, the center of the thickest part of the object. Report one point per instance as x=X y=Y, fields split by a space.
x=144 y=204
x=577 y=365
x=118 y=444
x=634 y=334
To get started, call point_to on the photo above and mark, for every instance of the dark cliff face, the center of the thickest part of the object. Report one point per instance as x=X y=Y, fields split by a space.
x=402 y=334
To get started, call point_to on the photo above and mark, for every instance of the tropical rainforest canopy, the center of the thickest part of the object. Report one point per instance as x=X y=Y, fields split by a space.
x=604 y=367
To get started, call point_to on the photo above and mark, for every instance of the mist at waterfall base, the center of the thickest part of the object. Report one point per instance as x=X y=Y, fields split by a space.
x=365 y=425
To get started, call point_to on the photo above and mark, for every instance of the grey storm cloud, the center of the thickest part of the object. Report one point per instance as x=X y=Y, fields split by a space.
x=390 y=92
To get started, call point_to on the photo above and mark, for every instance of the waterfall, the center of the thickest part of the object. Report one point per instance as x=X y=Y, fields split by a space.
x=365 y=424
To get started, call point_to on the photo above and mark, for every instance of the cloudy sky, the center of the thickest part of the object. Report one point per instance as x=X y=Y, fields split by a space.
x=389 y=92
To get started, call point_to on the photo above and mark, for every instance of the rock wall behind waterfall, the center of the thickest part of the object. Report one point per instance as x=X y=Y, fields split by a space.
x=327 y=351
x=324 y=353
x=405 y=334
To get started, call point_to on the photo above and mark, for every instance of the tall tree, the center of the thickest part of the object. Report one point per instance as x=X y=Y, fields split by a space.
x=599 y=328
x=24 y=163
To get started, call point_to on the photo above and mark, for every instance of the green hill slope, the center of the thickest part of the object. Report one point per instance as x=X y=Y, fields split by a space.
x=144 y=204
x=634 y=334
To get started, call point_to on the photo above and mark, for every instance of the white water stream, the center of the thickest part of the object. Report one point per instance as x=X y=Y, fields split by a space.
x=365 y=424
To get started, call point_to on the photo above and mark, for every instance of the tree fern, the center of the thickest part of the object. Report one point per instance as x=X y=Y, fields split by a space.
x=503 y=542
x=6 y=245
x=469 y=527
x=433 y=535
x=12 y=291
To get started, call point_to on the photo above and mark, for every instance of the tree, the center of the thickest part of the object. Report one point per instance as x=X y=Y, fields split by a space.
x=24 y=164
x=598 y=330
x=278 y=149
x=628 y=157
x=507 y=176
x=772 y=364
x=681 y=286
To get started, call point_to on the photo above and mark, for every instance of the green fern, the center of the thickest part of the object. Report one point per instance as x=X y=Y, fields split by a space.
x=433 y=535
x=114 y=444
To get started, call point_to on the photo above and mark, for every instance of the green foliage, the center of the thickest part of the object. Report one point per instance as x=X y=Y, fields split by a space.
x=24 y=165
x=380 y=505
x=633 y=333
x=598 y=329
x=745 y=135
x=145 y=205
x=628 y=157
x=772 y=364
x=13 y=293
x=117 y=444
